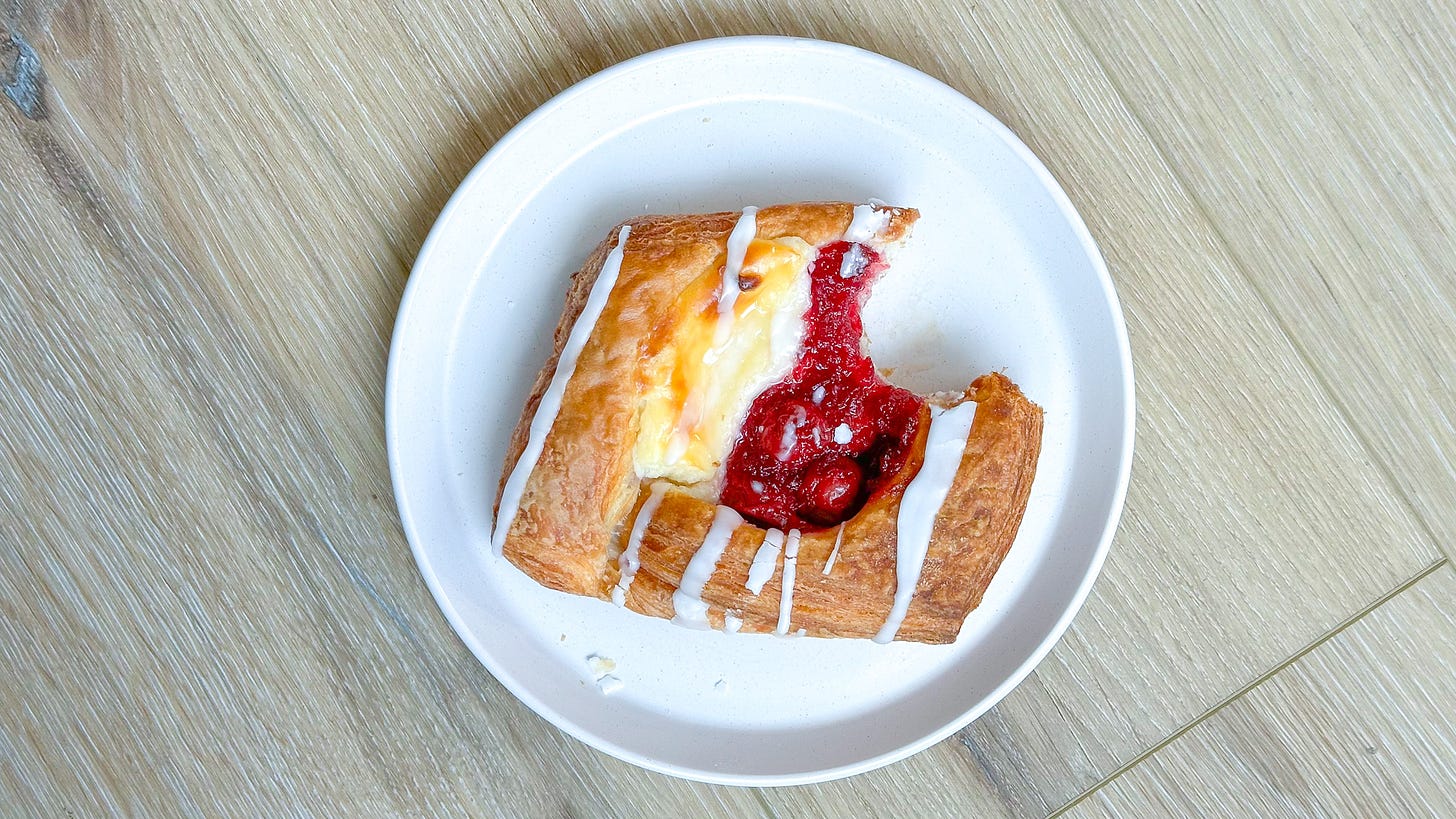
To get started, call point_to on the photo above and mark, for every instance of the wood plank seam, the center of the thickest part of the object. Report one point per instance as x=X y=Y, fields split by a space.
x=1385 y=469
x=1291 y=660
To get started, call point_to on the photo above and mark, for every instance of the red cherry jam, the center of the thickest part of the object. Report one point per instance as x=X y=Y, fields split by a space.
x=818 y=444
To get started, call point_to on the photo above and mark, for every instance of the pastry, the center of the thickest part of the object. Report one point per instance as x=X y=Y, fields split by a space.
x=709 y=442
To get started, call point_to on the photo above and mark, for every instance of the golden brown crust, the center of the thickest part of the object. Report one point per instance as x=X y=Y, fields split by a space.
x=584 y=489
x=976 y=526
x=583 y=484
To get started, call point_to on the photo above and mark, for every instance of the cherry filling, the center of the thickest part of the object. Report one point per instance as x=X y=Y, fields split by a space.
x=818 y=444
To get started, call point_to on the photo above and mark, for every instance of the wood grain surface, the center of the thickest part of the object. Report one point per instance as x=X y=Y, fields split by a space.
x=1360 y=726
x=208 y=217
x=1340 y=115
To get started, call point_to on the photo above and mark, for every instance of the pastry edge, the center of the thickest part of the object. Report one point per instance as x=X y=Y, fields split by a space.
x=999 y=464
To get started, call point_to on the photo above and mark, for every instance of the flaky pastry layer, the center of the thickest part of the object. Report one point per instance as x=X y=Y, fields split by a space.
x=584 y=491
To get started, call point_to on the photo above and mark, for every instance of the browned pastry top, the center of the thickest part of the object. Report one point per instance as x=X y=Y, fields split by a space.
x=584 y=491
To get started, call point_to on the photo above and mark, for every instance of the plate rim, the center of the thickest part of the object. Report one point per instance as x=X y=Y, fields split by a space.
x=1066 y=209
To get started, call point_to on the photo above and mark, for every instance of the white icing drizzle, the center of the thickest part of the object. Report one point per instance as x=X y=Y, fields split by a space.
x=867 y=223
x=786 y=443
x=791 y=433
x=818 y=395
x=786 y=329
x=756 y=486
x=628 y=560
x=853 y=263
x=743 y=233
x=843 y=434
x=550 y=405
x=920 y=505
x=688 y=607
x=765 y=560
x=786 y=596
x=692 y=413
x=731 y=623
x=677 y=446
x=834 y=555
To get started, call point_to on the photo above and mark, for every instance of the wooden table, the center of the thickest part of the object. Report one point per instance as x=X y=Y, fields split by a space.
x=209 y=214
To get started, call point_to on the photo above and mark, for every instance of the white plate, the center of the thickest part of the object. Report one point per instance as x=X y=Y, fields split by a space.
x=1000 y=275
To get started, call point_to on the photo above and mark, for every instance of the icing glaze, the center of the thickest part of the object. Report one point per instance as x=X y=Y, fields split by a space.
x=687 y=602
x=787 y=441
x=854 y=263
x=786 y=597
x=738 y=240
x=834 y=555
x=629 y=560
x=550 y=405
x=765 y=560
x=920 y=505
x=867 y=223
x=692 y=411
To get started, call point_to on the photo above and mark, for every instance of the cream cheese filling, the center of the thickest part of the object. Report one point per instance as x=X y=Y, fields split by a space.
x=727 y=351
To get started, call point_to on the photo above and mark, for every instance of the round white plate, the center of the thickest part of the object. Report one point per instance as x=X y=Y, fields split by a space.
x=1001 y=274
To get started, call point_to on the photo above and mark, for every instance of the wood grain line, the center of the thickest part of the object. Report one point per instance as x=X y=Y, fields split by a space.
x=1292 y=659
x=1362 y=726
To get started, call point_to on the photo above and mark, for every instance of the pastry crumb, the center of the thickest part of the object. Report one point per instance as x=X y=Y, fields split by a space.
x=609 y=684
x=600 y=666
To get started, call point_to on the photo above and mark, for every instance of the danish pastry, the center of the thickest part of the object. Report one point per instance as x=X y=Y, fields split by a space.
x=709 y=442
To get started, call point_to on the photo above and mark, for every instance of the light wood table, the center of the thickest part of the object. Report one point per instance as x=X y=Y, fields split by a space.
x=207 y=605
